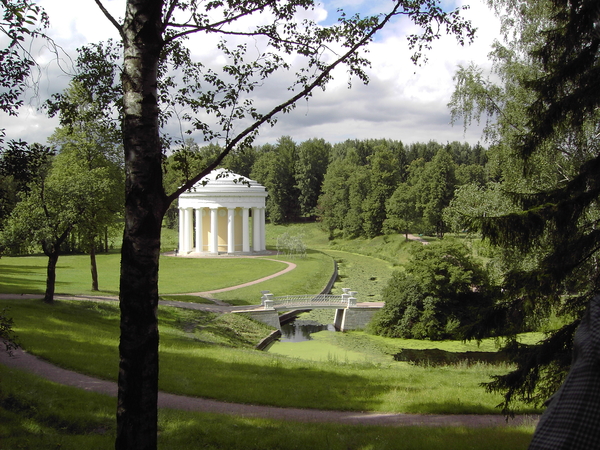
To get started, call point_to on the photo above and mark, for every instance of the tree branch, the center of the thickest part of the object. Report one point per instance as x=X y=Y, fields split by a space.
x=283 y=106
x=111 y=19
x=212 y=27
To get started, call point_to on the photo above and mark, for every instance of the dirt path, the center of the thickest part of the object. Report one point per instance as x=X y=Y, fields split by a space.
x=208 y=294
x=412 y=237
x=218 y=306
x=24 y=361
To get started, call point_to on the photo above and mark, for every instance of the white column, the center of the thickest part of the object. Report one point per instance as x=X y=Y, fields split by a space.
x=214 y=229
x=230 y=230
x=255 y=230
x=187 y=230
x=263 y=234
x=245 y=230
x=181 y=230
x=199 y=243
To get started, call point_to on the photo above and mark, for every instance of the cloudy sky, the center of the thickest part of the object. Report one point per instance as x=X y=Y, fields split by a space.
x=402 y=101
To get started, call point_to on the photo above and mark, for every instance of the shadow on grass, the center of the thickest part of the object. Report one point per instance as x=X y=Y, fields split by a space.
x=267 y=382
x=185 y=298
x=450 y=407
x=40 y=415
x=180 y=430
x=18 y=279
x=27 y=279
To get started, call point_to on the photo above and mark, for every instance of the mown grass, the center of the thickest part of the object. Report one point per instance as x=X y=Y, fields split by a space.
x=367 y=275
x=198 y=357
x=310 y=276
x=203 y=357
x=36 y=414
x=27 y=274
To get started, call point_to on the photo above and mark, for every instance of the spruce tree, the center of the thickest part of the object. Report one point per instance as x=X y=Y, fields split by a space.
x=555 y=232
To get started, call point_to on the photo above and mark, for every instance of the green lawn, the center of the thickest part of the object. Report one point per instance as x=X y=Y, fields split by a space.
x=310 y=276
x=83 y=336
x=27 y=274
x=211 y=356
x=364 y=274
x=37 y=415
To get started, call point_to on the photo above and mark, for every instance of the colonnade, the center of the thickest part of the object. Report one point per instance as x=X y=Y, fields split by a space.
x=220 y=229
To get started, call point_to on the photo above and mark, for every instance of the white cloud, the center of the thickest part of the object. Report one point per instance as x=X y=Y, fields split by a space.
x=402 y=101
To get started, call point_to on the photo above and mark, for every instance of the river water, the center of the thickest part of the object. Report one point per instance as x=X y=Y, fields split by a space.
x=300 y=330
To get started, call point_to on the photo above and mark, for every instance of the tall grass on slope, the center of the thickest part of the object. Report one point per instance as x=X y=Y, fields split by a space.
x=201 y=357
x=38 y=415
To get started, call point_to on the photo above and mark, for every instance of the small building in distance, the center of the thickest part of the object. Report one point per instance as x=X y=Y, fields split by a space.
x=224 y=213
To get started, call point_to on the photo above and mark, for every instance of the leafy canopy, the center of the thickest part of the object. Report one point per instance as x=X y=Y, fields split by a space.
x=443 y=290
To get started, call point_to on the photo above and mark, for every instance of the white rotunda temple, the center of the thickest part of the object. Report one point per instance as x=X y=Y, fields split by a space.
x=222 y=213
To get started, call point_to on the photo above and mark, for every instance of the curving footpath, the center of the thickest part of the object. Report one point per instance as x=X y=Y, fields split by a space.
x=27 y=362
x=207 y=294
x=30 y=363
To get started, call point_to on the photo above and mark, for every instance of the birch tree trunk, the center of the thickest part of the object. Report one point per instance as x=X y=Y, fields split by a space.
x=145 y=205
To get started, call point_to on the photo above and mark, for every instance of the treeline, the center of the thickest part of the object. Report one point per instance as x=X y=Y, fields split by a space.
x=356 y=188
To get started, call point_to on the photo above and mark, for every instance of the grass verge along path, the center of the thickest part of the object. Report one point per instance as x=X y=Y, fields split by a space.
x=27 y=274
x=31 y=364
x=198 y=359
x=38 y=414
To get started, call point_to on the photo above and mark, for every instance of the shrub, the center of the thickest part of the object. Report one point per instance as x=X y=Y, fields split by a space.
x=442 y=290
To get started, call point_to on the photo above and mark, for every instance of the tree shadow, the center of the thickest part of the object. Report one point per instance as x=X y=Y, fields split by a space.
x=269 y=383
x=18 y=279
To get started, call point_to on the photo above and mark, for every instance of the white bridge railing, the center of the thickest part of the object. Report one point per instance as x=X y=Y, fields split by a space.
x=345 y=300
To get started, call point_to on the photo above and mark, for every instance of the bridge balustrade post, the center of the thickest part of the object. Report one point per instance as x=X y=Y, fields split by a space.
x=267 y=297
x=351 y=302
x=268 y=304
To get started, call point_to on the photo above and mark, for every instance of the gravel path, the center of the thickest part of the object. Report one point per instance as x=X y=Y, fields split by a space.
x=27 y=362
x=30 y=363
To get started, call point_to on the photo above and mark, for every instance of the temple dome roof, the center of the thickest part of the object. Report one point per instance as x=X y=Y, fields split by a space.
x=224 y=180
x=222 y=187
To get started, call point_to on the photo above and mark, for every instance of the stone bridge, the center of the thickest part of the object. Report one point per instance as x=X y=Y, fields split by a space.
x=349 y=315
x=345 y=300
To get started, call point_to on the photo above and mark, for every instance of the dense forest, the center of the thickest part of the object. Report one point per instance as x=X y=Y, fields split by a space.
x=355 y=188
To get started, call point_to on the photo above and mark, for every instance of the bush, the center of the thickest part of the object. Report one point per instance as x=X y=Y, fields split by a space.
x=442 y=290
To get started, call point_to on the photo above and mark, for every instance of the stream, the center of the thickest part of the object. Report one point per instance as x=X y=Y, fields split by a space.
x=300 y=330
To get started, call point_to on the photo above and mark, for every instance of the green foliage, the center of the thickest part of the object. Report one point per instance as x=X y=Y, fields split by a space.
x=435 y=189
x=473 y=201
x=383 y=179
x=401 y=210
x=274 y=169
x=80 y=194
x=54 y=205
x=21 y=22
x=20 y=165
x=543 y=119
x=309 y=172
x=7 y=335
x=442 y=290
